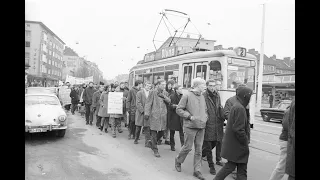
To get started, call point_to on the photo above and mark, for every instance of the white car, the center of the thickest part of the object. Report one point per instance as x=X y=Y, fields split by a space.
x=44 y=113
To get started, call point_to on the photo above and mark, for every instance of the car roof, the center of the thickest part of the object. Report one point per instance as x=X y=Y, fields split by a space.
x=41 y=94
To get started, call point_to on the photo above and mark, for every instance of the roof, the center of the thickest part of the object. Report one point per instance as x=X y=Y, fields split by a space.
x=283 y=65
x=45 y=27
x=181 y=38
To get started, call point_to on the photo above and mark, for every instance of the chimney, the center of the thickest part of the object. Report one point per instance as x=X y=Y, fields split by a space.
x=218 y=47
x=286 y=60
x=274 y=57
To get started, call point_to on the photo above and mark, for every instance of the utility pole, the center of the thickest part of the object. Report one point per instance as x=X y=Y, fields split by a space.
x=260 y=75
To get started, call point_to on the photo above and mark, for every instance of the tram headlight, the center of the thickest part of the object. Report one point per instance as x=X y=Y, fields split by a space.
x=252 y=63
x=229 y=60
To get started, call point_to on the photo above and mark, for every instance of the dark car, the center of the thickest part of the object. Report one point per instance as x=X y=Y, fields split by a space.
x=275 y=113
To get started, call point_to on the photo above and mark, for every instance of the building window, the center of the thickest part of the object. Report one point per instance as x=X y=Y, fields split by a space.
x=28 y=33
x=27 y=43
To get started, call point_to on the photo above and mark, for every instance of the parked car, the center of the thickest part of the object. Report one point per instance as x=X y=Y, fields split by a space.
x=275 y=113
x=44 y=113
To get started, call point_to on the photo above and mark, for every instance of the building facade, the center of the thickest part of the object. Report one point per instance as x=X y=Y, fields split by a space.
x=44 y=54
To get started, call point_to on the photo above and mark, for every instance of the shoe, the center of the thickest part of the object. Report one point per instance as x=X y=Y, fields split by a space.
x=106 y=130
x=167 y=142
x=198 y=175
x=135 y=142
x=87 y=123
x=156 y=154
x=72 y=113
x=212 y=171
x=177 y=165
x=120 y=131
x=172 y=148
x=91 y=123
x=204 y=158
x=219 y=163
x=113 y=135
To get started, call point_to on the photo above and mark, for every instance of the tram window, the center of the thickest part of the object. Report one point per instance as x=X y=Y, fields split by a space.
x=131 y=79
x=201 y=71
x=240 y=75
x=215 y=70
x=139 y=77
x=157 y=76
x=187 y=76
x=147 y=78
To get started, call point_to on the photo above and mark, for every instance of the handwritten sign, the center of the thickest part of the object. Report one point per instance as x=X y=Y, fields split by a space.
x=64 y=95
x=115 y=103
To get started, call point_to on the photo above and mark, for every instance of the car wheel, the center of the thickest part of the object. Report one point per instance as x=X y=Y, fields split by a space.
x=61 y=133
x=266 y=118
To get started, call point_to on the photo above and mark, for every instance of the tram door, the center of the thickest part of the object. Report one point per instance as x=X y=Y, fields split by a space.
x=187 y=74
x=193 y=70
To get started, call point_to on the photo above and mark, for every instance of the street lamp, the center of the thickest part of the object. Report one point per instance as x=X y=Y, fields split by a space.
x=260 y=75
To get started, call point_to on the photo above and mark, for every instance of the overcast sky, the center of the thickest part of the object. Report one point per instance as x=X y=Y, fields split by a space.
x=110 y=32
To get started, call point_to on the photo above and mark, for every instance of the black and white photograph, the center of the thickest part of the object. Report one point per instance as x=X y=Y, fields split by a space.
x=161 y=90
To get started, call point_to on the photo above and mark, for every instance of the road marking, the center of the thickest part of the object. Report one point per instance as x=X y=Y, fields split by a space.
x=269 y=125
x=265 y=142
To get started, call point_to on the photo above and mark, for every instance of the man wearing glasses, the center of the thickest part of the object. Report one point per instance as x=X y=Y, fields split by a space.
x=214 y=126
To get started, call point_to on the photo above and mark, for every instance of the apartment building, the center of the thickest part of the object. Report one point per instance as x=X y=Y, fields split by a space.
x=43 y=53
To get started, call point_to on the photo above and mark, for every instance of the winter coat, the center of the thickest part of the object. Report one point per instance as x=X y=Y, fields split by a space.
x=170 y=92
x=285 y=125
x=290 y=161
x=235 y=143
x=74 y=96
x=228 y=105
x=175 y=122
x=125 y=96
x=141 y=99
x=214 y=125
x=131 y=101
x=156 y=109
x=88 y=94
x=96 y=101
x=103 y=110
x=193 y=104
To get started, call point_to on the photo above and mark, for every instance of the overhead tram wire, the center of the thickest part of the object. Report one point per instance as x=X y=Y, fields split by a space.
x=183 y=30
x=156 y=33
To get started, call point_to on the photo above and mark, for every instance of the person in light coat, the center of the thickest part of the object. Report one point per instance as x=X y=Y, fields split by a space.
x=103 y=110
x=156 y=113
x=141 y=98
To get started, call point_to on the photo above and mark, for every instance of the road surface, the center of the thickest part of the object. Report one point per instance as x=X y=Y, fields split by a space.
x=86 y=153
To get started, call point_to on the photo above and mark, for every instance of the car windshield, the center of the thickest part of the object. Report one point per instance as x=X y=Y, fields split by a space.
x=41 y=99
x=283 y=106
x=41 y=90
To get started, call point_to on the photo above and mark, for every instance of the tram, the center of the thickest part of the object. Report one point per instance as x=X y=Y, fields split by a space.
x=228 y=66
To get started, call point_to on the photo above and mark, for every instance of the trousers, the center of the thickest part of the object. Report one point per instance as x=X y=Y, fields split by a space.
x=192 y=136
x=146 y=133
x=229 y=167
x=115 y=124
x=207 y=151
x=98 y=118
x=155 y=137
x=89 y=113
x=105 y=123
x=279 y=171
x=73 y=107
x=132 y=126
x=181 y=135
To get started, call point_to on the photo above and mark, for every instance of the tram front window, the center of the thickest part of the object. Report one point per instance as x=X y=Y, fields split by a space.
x=240 y=75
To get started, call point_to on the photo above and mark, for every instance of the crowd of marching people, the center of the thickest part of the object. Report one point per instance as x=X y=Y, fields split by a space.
x=159 y=110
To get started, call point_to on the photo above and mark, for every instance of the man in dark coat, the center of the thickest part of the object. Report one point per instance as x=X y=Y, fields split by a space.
x=96 y=105
x=166 y=134
x=125 y=96
x=176 y=122
x=214 y=126
x=87 y=98
x=271 y=100
x=235 y=143
x=74 y=99
x=131 y=107
x=290 y=162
